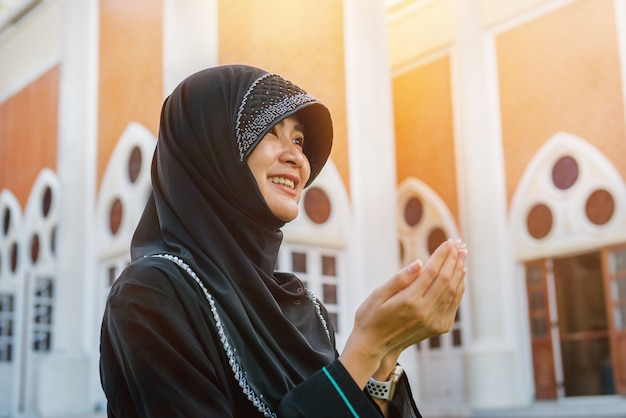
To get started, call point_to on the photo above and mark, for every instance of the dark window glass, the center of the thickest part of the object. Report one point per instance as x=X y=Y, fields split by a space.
x=6 y=221
x=298 y=262
x=46 y=202
x=14 y=250
x=134 y=164
x=44 y=288
x=328 y=266
x=565 y=173
x=34 y=248
x=330 y=293
x=317 y=205
x=115 y=216
x=413 y=211
x=456 y=338
x=539 y=221
x=434 y=342
x=600 y=207
x=435 y=238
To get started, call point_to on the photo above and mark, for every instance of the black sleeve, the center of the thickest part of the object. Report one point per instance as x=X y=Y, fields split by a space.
x=332 y=392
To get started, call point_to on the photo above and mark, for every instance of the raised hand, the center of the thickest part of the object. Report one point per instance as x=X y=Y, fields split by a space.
x=418 y=302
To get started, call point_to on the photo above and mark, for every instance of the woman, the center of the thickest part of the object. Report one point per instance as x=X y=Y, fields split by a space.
x=200 y=325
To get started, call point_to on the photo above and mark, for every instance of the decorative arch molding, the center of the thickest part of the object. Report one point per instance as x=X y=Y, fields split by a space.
x=124 y=190
x=569 y=199
x=39 y=289
x=41 y=217
x=422 y=217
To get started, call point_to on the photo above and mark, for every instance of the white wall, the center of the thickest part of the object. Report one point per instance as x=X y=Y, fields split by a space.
x=32 y=47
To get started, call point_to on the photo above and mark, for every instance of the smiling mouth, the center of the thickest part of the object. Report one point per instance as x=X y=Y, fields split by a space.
x=283 y=181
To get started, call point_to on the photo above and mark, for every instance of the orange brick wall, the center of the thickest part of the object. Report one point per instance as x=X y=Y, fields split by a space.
x=29 y=134
x=422 y=100
x=130 y=72
x=301 y=40
x=561 y=72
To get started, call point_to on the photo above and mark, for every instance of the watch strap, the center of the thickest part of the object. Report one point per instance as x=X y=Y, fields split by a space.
x=384 y=390
x=378 y=389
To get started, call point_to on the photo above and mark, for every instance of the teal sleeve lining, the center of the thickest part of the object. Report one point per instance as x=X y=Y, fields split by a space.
x=338 y=389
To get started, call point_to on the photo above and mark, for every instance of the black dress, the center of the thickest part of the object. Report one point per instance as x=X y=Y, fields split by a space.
x=164 y=358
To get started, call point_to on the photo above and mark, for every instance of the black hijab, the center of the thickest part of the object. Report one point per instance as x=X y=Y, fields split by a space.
x=206 y=209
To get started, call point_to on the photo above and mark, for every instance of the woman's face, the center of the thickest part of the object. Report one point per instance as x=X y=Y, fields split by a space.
x=280 y=168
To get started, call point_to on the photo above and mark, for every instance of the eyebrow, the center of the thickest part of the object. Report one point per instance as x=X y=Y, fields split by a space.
x=298 y=126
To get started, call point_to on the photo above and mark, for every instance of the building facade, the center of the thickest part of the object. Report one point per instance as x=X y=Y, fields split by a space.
x=501 y=123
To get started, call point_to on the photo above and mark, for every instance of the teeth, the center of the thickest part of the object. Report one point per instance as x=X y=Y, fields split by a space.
x=284 y=181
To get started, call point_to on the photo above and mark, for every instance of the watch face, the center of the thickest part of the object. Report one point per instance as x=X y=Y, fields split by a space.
x=392 y=387
x=393 y=380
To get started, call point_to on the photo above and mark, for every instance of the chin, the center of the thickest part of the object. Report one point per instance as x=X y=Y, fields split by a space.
x=287 y=217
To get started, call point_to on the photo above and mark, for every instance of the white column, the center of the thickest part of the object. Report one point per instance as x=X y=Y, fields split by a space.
x=374 y=246
x=64 y=379
x=190 y=39
x=371 y=144
x=494 y=359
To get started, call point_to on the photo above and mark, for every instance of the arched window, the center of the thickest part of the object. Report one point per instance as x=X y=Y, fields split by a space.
x=569 y=222
x=39 y=281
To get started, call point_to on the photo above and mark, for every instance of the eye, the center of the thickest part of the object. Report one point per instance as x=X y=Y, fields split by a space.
x=299 y=141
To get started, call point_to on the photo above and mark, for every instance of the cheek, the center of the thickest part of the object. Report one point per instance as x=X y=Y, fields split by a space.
x=257 y=163
x=306 y=171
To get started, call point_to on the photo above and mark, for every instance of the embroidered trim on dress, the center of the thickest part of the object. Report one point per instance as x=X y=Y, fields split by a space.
x=226 y=344
x=240 y=375
x=318 y=309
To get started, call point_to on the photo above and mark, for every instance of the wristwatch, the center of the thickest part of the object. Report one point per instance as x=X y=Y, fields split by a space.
x=385 y=390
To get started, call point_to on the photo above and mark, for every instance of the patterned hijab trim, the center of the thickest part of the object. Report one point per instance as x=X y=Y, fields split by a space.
x=269 y=99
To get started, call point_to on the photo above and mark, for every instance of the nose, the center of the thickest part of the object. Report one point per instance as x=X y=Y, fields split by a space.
x=293 y=154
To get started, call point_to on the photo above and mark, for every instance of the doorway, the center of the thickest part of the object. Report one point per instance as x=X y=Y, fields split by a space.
x=577 y=316
x=583 y=325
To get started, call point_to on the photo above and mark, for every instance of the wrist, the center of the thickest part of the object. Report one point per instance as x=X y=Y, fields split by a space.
x=360 y=362
x=387 y=365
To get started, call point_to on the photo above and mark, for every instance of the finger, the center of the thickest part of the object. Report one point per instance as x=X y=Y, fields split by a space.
x=451 y=311
x=448 y=275
x=449 y=292
x=401 y=280
x=435 y=263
